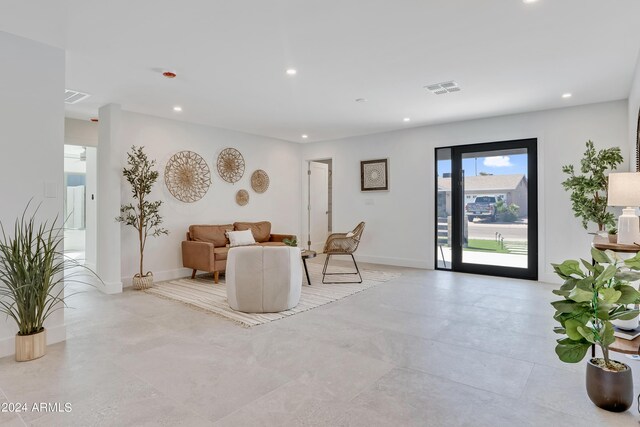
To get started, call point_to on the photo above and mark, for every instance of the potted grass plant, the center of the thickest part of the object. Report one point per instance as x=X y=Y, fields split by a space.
x=143 y=215
x=593 y=296
x=32 y=275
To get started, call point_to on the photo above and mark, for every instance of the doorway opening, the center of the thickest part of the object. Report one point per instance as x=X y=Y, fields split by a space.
x=79 y=202
x=320 y=204
x=486 y=209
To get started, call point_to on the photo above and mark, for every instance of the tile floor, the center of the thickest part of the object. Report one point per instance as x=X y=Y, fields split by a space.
x=429 y=349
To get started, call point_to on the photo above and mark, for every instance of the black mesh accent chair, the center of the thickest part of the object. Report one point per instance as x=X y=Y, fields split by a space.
x=343 y=244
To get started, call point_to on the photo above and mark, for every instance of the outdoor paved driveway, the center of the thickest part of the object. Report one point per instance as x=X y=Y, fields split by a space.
x=487 y=231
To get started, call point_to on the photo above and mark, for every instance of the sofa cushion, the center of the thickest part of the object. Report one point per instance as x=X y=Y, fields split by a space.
x=240 y=238
x=220 y=254
x=215 y=234
x=261 y=230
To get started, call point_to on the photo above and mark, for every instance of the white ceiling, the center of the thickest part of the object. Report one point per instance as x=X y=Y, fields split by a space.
x=231 y=58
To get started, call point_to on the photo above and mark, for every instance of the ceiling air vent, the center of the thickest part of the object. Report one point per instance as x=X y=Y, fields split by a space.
x=73 y=96
x=442 y=88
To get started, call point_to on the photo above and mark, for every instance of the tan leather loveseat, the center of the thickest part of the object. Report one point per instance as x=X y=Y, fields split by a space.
x=206 y=246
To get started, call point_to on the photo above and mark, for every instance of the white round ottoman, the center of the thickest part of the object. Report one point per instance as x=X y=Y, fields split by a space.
x=263 y=279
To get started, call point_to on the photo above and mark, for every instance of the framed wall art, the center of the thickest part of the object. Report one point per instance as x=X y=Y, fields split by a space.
x=374 y=175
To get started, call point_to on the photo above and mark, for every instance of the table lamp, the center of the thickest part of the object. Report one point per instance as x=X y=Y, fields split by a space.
x=624 y=190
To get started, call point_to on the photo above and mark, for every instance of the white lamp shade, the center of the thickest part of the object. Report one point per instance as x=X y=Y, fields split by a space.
x=624 y=189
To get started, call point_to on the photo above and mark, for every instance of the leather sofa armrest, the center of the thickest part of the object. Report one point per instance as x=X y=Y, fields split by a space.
x=280 y=237
x=198 y=255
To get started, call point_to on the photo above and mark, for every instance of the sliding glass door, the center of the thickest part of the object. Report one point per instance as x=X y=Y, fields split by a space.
x=486 y=208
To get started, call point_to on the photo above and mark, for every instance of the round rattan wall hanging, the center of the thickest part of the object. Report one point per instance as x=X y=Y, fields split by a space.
x=242 y=197
x=259 y=181
x=231 y=165
x=187 y=176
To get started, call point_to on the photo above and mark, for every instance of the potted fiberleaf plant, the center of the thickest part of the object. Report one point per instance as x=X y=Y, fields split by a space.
x=589 y=189
x=593 y=296
x=143 y=215
x=32 y=277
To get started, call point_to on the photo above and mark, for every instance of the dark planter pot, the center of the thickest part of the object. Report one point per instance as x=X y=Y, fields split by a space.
x=612 y=391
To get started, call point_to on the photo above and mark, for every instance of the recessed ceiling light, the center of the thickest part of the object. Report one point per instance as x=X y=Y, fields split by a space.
x=361 y=99
x=529 y=1
x=177 y=108
x=406 y=119
x=292 y=72
x=305 y=136
x=566 y=95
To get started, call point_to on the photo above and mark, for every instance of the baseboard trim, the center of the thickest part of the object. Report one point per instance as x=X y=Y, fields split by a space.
x=397 y=262
x=161 y=276
x=55 y=334
x=549 y=278
x=111 y=288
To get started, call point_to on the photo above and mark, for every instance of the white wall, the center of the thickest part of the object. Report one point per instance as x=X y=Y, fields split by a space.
x=400 y=222
x=634 y=107
x=80 y=132
x=32 y=140
x=162 y=138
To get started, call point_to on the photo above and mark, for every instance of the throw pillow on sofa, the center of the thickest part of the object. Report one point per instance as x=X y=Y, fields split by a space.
x=240 y=238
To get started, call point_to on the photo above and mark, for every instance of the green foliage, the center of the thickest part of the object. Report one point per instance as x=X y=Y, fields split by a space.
x=589 y=190
x=591 y=299
x=506 y=213
x=613 y=231
x=142 y=215
x=32 y=272
x=291 y=241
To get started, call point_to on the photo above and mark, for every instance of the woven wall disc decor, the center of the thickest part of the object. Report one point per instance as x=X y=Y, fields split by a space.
x=259 y=181
x=231 y=165
x=242 y=197
x=187 y=176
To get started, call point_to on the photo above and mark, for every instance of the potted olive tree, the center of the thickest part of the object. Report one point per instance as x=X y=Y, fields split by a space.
x=32 y=276
x=143 y=215
x=589 y=189
x=593 y=296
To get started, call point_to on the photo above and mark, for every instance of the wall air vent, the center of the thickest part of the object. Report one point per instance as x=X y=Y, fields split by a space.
x=442 y=88
x=73 y=96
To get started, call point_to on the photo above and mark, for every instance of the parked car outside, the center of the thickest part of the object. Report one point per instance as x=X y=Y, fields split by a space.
x=483 y=207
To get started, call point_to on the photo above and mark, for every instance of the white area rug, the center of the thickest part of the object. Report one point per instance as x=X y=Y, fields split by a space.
x=201 y=293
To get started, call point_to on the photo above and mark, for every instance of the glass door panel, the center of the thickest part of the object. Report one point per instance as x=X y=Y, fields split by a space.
x=493 y=210
x=495 y=207
x=443 y=208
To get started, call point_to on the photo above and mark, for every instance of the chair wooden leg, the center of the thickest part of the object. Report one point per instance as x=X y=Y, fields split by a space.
x=193 y=274
x=216 y=277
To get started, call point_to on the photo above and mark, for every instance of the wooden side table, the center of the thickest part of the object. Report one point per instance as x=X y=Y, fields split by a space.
x=626 y=346
x=602 y=243
x=620 y=345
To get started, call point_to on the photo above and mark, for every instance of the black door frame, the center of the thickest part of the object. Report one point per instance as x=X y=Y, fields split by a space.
x=457 y=210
